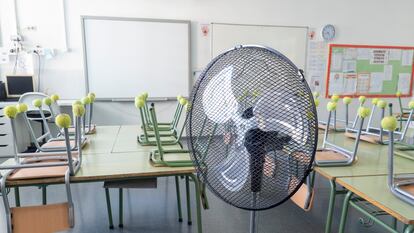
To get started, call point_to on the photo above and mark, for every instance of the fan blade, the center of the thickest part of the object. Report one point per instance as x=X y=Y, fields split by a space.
x=219 y=102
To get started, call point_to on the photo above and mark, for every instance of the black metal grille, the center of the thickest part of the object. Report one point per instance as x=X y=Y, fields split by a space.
x=252 y=128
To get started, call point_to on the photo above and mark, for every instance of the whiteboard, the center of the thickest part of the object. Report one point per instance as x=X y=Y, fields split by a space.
x=124 y=57
x=290 y=41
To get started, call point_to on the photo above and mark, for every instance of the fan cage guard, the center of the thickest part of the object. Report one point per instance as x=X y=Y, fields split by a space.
x=252 y=127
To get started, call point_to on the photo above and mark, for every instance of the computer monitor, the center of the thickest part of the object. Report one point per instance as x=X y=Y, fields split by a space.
x=17 y=85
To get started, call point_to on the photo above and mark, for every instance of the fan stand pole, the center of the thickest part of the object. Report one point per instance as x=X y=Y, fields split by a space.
x=253 y=219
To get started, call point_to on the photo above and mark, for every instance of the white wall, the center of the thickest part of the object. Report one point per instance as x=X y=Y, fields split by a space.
x=357 y=22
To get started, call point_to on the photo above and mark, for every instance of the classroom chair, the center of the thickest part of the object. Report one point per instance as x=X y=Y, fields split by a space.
x=167 y=157
x=165 y=129
x=377 y=136
x=334 y=155
x=401 y=186
x=88 y=126
x=53 y=143
x=147 y=138
x=334 y=122
x=44 y=218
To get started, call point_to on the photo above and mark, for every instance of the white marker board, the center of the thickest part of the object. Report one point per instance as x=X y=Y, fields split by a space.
x=125 y=56
x=290 y=41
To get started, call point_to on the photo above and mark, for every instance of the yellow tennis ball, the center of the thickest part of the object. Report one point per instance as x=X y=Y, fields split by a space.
x=183 y=101
x=362 y=99
x=316 y=94
x=10 y=111
x=78 y=110
x=92 y=96
x=389 y=123
x=363 y=112
x=187 y=107
x=381 y=104
x=398 y=94
x=331 y=106
x=55 y=97
x=21 y=108
x=374 y=101
x=139 y=102
x=347 y=100
x=63 y=120
x=37 y=103
x=411 y=104
x=76 y=102
x=47 y=101
x=86 y=100
x=179 y=97
x=317 y=102
x=335 y=98
x=145 y=95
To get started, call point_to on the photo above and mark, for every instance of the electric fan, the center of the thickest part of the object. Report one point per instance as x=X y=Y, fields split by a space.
x=252 y=128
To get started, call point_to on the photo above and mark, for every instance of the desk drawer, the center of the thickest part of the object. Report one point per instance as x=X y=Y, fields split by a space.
x=6 y=150
x=4 y=119
x=5 y=128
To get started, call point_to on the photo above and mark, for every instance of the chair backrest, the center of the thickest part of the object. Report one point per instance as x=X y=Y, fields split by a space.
x=27 y=98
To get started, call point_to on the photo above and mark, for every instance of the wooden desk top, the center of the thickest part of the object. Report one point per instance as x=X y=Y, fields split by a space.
x=100 y=164
x=127 y=141
x=375 y=190
x=371 y=160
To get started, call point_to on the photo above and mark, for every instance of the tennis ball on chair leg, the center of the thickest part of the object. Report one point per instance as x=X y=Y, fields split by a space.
x=76 y=102
x=331 y=106
x=362 y=99
x=381 y=104
x=398 y=94
x=63 y=121
x=37 y=103
x=92 y=96
x=47 y=101
x=335 y=98
x=363 y=112
x=10 y=111
x=375 y=101
x=21 y=108
x=139 y=102
x=317 y=102
x=54 y=97
x=183 y=101
x=78 y=110
x=411 y=104
x=86 y=100
x=347 y=100
x=315 y=94
x=389 y=123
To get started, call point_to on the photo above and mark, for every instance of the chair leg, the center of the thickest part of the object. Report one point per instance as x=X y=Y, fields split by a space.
x=121 y=208
x=17 y=196
x=109 y=208
x=344 y=215
x=187 y=189
x=409 y=229
x=177 y=190
x=44 y=195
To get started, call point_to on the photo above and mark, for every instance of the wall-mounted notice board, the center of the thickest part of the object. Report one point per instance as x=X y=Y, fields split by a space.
x=372 y=71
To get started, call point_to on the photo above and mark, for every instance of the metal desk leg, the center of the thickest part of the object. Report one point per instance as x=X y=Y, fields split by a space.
x=108 y=205
x=332 y=197
x=177 y=190
x=17 y=196
x=187 y=189
x=121 y=208
x=394 y=223
x=198 y=204
x=344 y=215
x=409 y=229
x=44 y=195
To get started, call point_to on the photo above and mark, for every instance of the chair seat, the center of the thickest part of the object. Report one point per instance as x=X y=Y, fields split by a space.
x=39 y=172
x=301 y=196
x=329 y=155
x=40 y=219
x=171 y=158
x=60 y=144
x=366 y=137
x=409 y=188
x=71 y=130
x=163 y=139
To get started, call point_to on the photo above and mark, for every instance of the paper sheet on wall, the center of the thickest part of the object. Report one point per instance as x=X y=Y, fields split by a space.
x=363 y=83
x=387 y=72
x=407 y=57
x=349 y=66
x=379 y=56
x=336 y=83
x=377 y=79
x=364 y=54
x=351 y=54
x=350 y=83
x=395 y=54
x=316 y=67
x=403 y=82
x=4 y=56
x=336 y=62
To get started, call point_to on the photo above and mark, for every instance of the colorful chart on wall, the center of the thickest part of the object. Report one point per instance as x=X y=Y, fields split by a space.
x=372 y=71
